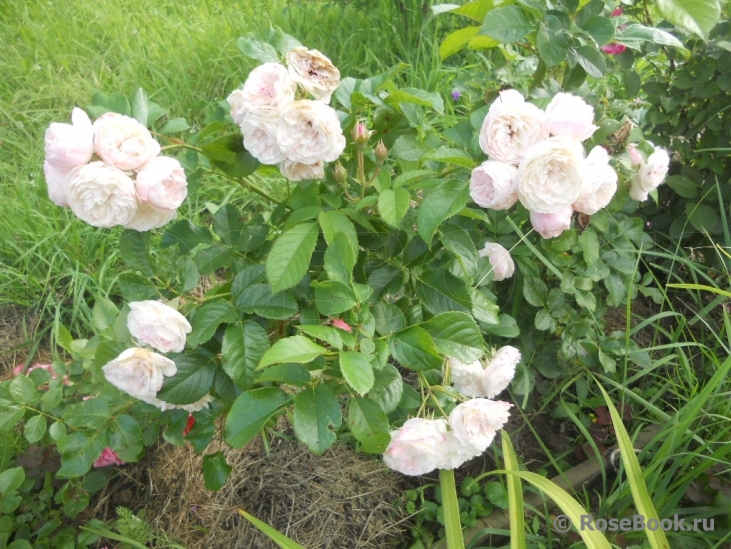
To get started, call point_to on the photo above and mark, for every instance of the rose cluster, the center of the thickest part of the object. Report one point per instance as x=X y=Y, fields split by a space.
x=422 y=445
x=140 y=372
x=110 y=173
x=537 y=158
x=298 y=135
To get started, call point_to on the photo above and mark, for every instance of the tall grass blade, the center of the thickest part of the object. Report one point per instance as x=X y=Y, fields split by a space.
x=515 y=496
x=280 y=539
x=452 y=524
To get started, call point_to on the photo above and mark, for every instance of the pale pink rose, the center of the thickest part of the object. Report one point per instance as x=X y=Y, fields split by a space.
x=147 y=218
x=161 y=183
x=418 y=447
x=296 y=171
x=70 y=145
x=467 y=379
x=238 y=106
x=500 y=371
x=122 y=142
x=570 y=116
x=340 y=323
x=314 y=72
x=634 y=155
x=139 y=373
x=502 y=264
x=309 y=132
x=56 y=183
x=260 y=139
x=101 y=195
x=108 y=457
x=494 y=184
x=650 y=175
x=511 y=127
x=457 y=452
x=477 y=421
x=551 y=175
x=158 y=325
x=551 y=225
x=600 y=183
x=267 y=91
x=614 y=48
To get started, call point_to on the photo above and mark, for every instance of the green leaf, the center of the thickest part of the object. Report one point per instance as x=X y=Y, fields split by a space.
x=441 y=203
x=591 y=61
x=175 y=125
x=330 y=335
x=456 y=41
x=34 y=429
x=415 y=350
x=683 y=185
x=104 y=314
x=186 y=235
x=258 y=299
x=475 y=10
x=251 y=410
x=369 y=425
x=393 y=205
x=10 y=416
x=507 y=24
x=589 y=243
x=135 y=287
x=441 y=291
x=140 y=106
x=215 y=471
x=243 y=347
x=417 y=97
x=696 y=16
x=388 y=388
x=207 y=318
x=357 y=371
x=407 y=147
x=91 y=414
x=228 y=223
x=381 y=278
x=515 y=494
x=51 y=399
x=552 y=42
x=291 y=349
x=600 y=29
x=332 y=297
x=280 y=539
x=252 y=47
x=456 y=335
x=113 y=103
x=316 y=417
x=289 y=373
x=450 y=156
x=333 y=222
x=229 y=155
x=80 y=450
x=702 y=217
x=11 y=479
x=340 y=258
x=289 y=258
x=535 y=291
x=192 y=380
x=388 y=317
x=634 y=35
x=450 y=504
x=125 y=438
x=22 y=390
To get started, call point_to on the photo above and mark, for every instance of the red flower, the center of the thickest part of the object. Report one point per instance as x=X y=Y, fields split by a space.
x=108 y=457
x=614 y=49
x=189 y=425
x=617 y=12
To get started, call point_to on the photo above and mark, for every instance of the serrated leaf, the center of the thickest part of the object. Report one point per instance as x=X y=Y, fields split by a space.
x=90 y=414
x=34 y=429
x=417 y=97
x=192 y=380
x=125 y=438
x=11 y=479
x=291 y=349
x=215 y=471
x=333 y=297
x=290 y=373
x=441 y=203
x=393 y=205
x=186 y=235
x=103 y=314
x=589 y=243
x=450 y=156
x=441 y=291
x=229 y=155
x=257 y=49
x=340 y=258
x=289 y=258
x=455 y=41
x=330 y=335
x=551 y=41
x=634 y=35
x=415 y=350
x=317 y=416
x=80 y=450
x=388 y=317
x=507 y=24
x=333 y=222
x=357 y=371
x=243 y=347
x=175 y=125
x=591 y=61
x=140 y=106
x=208 y=318
x=600 y=29
x=113 y=103
x=388 y=388
x=696 y=16
x=258 y=299
x=369 y=425
x=251 y=410
x=228 y=223
x=456 y=335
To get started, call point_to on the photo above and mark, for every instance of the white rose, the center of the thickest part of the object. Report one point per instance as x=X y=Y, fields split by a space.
x=296 y=171
x=56 y=183
x=238 y=106
x=571 y=116
x=600 y=183
x=122 y=142
x=158 y=325
x=652 y=173
x=70 y=145
x=267 y=91
x=551 y=225
x=500 y=371
x=511 y=127
x=314 y=72
x=457 y=452
x=502 y=264
x=147 y=218
x=477 y=421
x=494 y=184
x=551 y=175
x=139 y=373
x=467 y=378
x=309 y=132
x=418 y=447
x=260 y=139
x=161 y=183
x=101 y=195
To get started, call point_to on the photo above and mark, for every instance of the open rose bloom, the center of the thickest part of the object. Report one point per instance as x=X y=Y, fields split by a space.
x=110 y=174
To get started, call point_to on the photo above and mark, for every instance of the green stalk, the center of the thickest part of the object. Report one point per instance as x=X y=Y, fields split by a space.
x=451 y=509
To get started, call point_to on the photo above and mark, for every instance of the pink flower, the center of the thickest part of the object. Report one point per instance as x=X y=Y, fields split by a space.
x=418 y=447
x=550 y=225
x=189 y=425
x=617 y=12
x=614 y=49
x=48 y=367
x=634 y=155
x=569 y=115
x=339 y=323
x=108 y=457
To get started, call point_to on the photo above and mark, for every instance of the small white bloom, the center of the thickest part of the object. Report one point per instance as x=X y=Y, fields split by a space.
x=260 y=139
x=494 y=184
x=101 y=195
x=500 y=371
x=314 y=72
x=457 y=452
x=161 y=183
x=418 y=447
x=650 y=175
x=139 y=373
x=56 y=183
x=309 y=132
x=600 y=183
x=502 y=264
x=122 y=142
x=158 y=325
x=571 y=116
x=477 y=421
x=267 y=91
x=467 y=378
x=551 y=225
x=70 y=145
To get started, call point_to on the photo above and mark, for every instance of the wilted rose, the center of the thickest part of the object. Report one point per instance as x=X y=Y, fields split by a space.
x=511 y=127
x=70 y=145
x=122 y=142
x=314 y=72
x=297 y=171
x=502 y=264
x=101 y=195
x=500 y=371
x=493 y=185
x=309 y=132
x=158 y=325
x=477 y=421
x=570 y=116
x=551 y=175
x=161 y=183
x=139 y=373
x=600 y=183
x=418 y=447
x=551 y=225
x=457 y=452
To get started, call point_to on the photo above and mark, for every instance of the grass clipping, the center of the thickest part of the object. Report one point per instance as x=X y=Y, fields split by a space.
x=339 y=499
